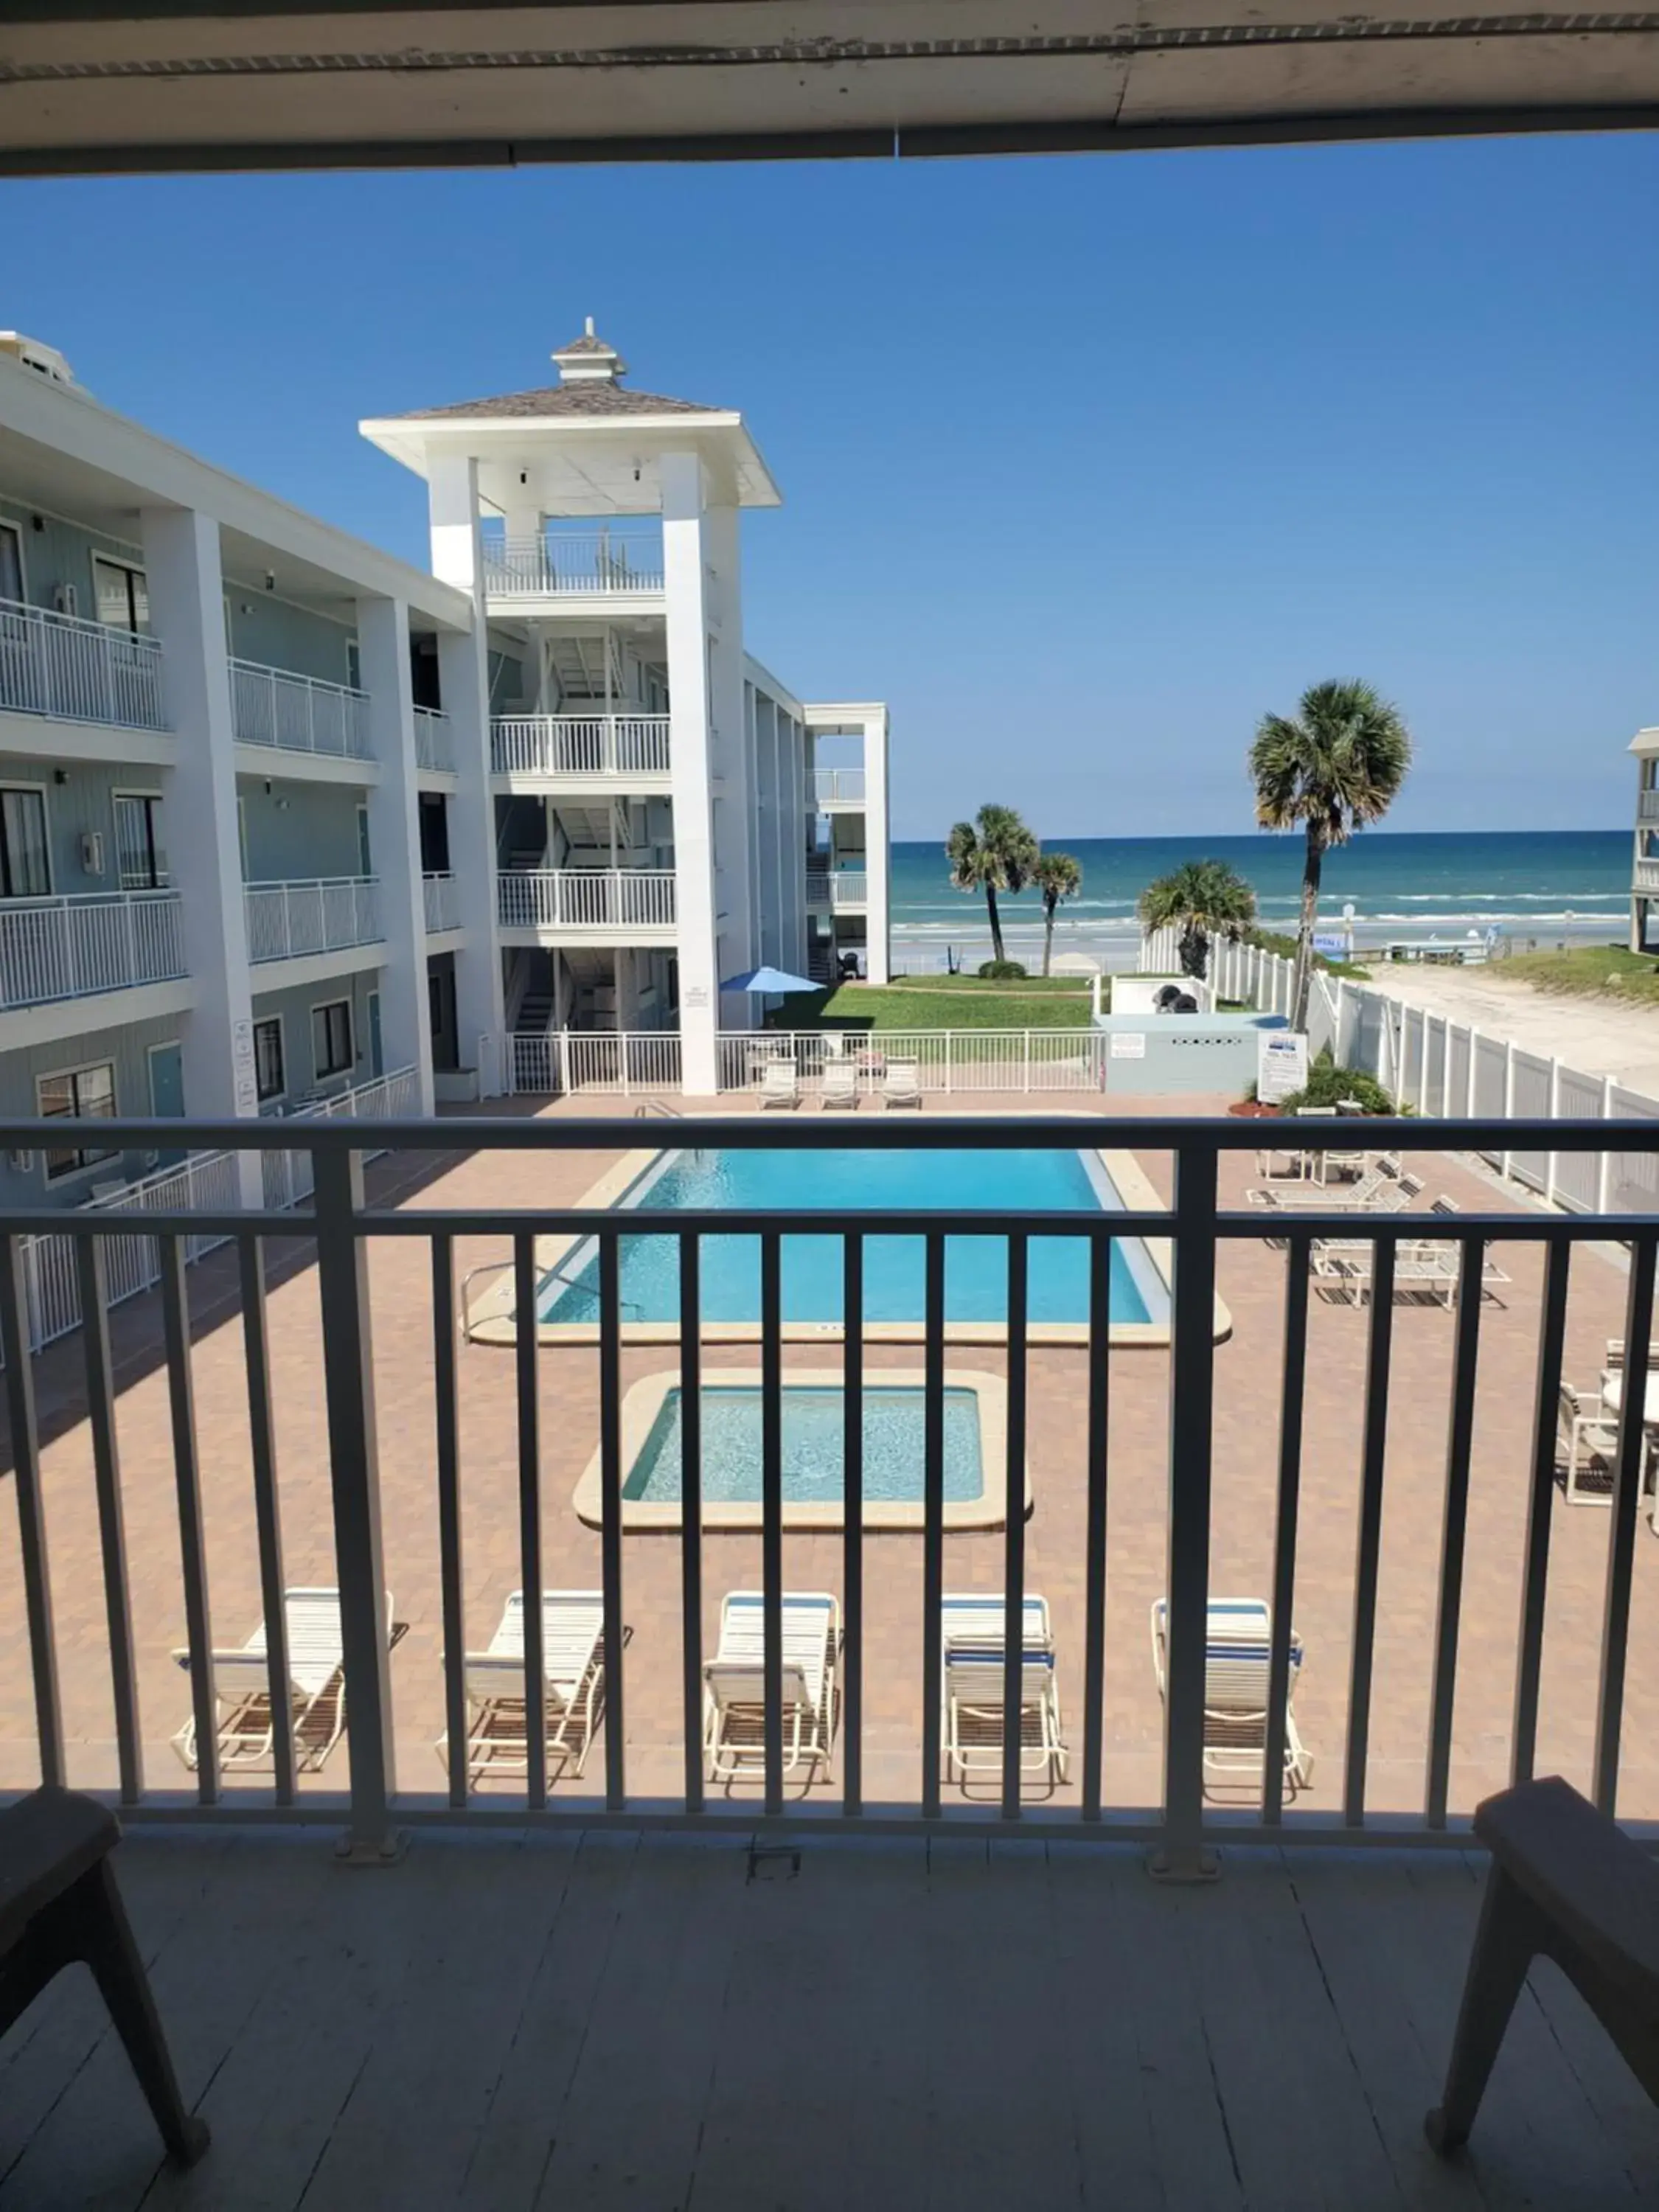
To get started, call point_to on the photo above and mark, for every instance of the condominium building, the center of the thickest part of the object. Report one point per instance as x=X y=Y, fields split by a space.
x=660 y=823
x=1644 y=863
x=283 y=819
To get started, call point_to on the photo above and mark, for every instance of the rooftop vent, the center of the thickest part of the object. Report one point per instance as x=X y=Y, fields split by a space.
x=589 y=360
x=29 y=353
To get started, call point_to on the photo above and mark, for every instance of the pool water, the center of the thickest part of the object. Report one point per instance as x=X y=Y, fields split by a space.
x=813 y=1464
x=837 y=1182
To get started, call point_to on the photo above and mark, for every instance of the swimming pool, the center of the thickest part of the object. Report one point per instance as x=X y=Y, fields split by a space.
x=813 y=1436
x=950 y=1180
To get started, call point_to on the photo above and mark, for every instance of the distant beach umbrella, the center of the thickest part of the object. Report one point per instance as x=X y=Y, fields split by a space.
x=769 y=982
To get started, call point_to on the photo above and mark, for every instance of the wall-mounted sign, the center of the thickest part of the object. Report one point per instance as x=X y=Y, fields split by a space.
x=1282 y=1065
x=1128 y=1044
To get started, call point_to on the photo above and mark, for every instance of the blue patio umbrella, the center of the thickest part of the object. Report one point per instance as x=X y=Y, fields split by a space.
x=769 y=982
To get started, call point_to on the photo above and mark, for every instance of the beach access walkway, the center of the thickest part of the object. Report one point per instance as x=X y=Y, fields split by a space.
x=1601 y=1036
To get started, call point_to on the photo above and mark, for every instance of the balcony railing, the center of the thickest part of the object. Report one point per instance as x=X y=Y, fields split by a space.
x=442 y=908
x=840 y=785
x=582 y=566
x=1203 y=1452
x=78 y=671
x=297 y=714
x=848 y=887
x=434 y=742
x=1645 y=877
x=326 y=914
x=70 y=948
x=586 y=898
x=578 y=745
x=1647 y=806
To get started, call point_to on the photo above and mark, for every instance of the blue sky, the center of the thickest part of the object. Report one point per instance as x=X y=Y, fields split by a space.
x=1087 y=463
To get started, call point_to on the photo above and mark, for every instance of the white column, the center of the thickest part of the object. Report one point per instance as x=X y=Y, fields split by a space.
x=878 y=924
x=187 y=616
x=688 y=742
x=394 y=841
x=732 y=762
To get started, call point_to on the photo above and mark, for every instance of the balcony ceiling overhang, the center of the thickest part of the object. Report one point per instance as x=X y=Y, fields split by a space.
x=90 y=85
x=581 y=466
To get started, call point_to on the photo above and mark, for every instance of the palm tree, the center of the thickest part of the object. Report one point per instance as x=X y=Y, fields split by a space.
x=1207 y=899
x=1058 y=877
x=1338 y=766
x=995 y=852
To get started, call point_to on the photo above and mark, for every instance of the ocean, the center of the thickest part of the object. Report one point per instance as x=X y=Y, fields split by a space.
x=1542 y=886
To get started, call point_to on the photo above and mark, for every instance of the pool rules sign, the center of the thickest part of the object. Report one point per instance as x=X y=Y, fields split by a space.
x=1282 y=1065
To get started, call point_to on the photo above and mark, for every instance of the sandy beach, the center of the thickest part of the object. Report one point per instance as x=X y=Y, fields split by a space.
x=1603 y=1036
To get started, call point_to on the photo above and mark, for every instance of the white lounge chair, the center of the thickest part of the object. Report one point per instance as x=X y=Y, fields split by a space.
x=1382 y=1189
x=974 y=1634
x=734 y=1684
x=901 y=1084
x=1433 y=1264
x=780 y=1084
x=841 y=1084
x=244 y=1724
x=572 y=1671
x=1588 y=1434
x=1236 y=1655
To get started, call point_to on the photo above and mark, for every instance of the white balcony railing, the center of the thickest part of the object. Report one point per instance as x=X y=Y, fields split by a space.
x=578 y=745
x=441 y=911
x=586 y=898
x=594 y=563
x=297 y=714
x=1646 y=876
x=434 y=744
x=326 y=914
x=840 y=785
x=78 y=671
x=848 y=887
x=69 y=948
x=1647 y=806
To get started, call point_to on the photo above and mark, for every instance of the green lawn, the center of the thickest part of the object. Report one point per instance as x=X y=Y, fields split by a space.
x=1612 y=970
x=939 y=1002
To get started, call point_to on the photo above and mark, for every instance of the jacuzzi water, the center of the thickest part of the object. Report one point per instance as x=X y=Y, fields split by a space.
x=957 y=1180
x=813 y=1460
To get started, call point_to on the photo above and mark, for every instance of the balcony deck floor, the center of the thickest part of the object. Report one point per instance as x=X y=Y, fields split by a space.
x=520 y=2021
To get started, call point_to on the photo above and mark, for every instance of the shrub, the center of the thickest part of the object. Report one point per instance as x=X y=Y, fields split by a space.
x=1327 y=1084
x=1002 y=971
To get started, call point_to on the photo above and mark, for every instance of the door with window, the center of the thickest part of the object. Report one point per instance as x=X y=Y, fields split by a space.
x=122 y=595
x=140 y=850
x=166 y=1093
x=365 y=863
x=25 y=859
x=332 y=1052
x=376 y=1062
x=11 y=563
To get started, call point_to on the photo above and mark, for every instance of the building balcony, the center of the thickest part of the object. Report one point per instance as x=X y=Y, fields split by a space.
x=290 y=920
x=1647 y=806
x=434 y=741
x=989 y=1999
x=587 y=900
x=273 y=708
x=75 y=948
x=840 y=786
x=1644 y=878
x=628 y=750
x=442 y=906
x=849 y=888
x=75 y=670
x=587 y=565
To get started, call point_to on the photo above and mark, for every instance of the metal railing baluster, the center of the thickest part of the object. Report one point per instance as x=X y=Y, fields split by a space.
x=267 y=1521
x=1535 y=1577
x=1299 y=1247
x=932 y=1519
x=192 y=1548
x=448 y=1459
x=1621 y=1548
x=691 y=1513
x=1182 y=1855
x=112 y=1525
x=771 y=1264
x=1013 y=1542
x=610 y=1526
x=1370 y=1531
x=31 y=1510
x=852 y=1654
x=1449 y=1611
x=1094 y=1634
x=524 y=1327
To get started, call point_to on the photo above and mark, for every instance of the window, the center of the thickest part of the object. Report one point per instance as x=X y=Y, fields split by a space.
x=269 y=1079
x=122 y=594
x=85 y=1093
x=332 y=1052
x=365 y=857
x=140 y=853
x=25 y=871
x=11 y=562
x=354 y=663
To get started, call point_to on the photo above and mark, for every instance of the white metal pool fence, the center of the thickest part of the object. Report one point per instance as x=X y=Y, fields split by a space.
x=563 y=1063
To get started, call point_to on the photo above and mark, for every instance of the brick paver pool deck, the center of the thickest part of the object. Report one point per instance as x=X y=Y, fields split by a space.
x=1247 y=1367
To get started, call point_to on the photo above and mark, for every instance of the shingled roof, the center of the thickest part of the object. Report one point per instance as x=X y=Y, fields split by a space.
x=597 y=398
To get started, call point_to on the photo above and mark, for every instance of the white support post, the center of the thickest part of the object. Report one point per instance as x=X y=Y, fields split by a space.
x=187 y=590
x=394 y=839
x=1555 y=1115
x=1509 y=1101
x=879 y=920
x=691 y=743
x=1604 y=1162
x=1471 y=1092
x=1025 y=1084
x=1425 y=1021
